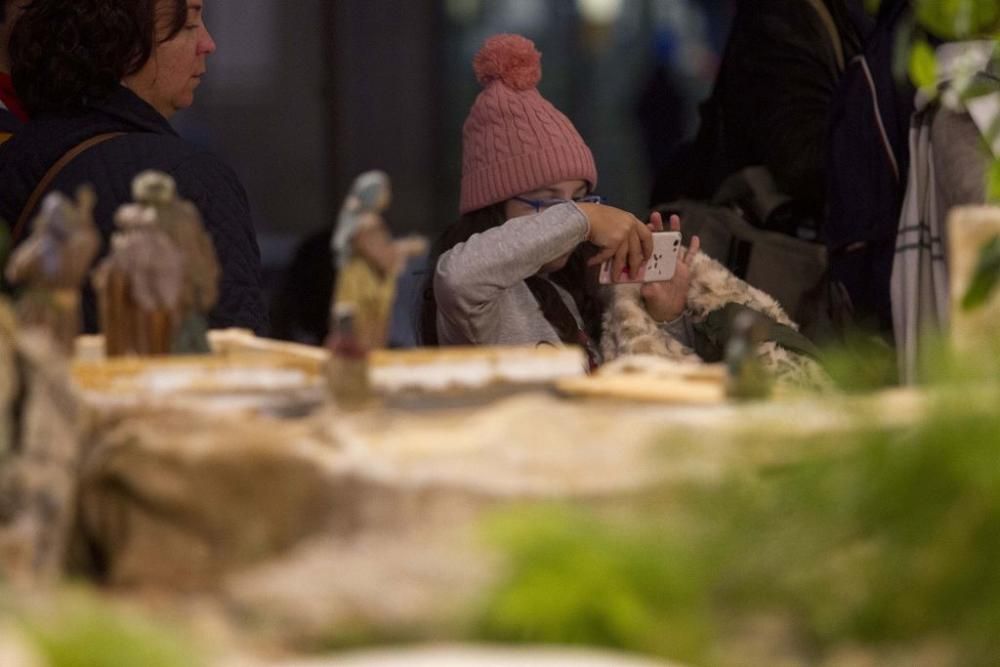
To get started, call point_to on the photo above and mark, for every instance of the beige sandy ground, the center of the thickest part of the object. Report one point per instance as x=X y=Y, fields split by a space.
x=280 y=528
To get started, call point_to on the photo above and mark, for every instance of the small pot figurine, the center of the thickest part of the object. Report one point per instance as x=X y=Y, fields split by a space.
x=139 y=286
x=52 y=264
x=347 y=369
x=367 y=259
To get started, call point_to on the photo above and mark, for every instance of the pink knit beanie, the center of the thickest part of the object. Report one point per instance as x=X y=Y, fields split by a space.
x=514 y=140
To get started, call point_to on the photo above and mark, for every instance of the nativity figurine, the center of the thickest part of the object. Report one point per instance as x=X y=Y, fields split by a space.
x=52 y=264
x=367 y=259
x=139 y=286
x=182 y=223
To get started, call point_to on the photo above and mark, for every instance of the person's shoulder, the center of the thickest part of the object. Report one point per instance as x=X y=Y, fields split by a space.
x=783 y=15
x=9 y=123
x=203 y=163
x=196 y=169
x=167 y=151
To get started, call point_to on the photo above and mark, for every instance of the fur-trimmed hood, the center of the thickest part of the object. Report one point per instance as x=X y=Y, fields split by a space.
x=628 y=329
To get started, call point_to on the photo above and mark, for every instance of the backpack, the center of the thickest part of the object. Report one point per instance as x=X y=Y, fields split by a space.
x=868 y=161
x=790 y=269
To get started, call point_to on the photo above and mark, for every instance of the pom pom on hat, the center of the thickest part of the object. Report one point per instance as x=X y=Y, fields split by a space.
x=514 y=140
x=511 y=59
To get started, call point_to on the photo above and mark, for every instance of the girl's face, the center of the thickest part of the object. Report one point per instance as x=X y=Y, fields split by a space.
x=168 y=79
x=543 y=198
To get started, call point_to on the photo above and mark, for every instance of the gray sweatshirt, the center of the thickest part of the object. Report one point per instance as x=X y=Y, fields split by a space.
x=482 y=298
x=479 y=286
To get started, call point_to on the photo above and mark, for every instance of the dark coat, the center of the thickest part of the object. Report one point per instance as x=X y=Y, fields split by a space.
x=9 y=124
x=771 y=102
x=9 y=121
x=150 y=143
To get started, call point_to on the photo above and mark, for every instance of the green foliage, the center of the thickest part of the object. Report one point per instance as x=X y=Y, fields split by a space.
x=576 y=580
x=862 y=363
x=985 y=276
x=993 y=188
x=959 y=19
x=923 y=67
x=891 y=541
x=83 y=632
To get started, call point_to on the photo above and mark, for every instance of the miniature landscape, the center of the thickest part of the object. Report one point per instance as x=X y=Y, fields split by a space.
x=176 y=496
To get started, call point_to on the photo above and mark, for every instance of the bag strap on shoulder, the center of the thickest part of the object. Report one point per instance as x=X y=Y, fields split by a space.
x=831 y=27
x=50 y=175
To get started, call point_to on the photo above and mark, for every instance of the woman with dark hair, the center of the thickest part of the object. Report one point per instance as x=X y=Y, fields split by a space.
x=100 y=79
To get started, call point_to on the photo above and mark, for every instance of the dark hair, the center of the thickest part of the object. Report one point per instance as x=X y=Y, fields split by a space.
x=66 y=53
x=573 y=278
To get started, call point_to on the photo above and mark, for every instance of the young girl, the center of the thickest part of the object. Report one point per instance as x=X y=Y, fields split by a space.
x=519 y=267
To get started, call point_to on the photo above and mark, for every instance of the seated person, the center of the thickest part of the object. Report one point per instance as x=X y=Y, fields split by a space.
x=518 y=267
x=119 y=71
x=513 y=269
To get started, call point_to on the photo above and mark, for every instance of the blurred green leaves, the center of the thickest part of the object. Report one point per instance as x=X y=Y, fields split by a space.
x=79 y=630
x=959 y=19
x=993 y=188
x=889 y=538
x=985 y=276
x=576 y=580
x=923 y=68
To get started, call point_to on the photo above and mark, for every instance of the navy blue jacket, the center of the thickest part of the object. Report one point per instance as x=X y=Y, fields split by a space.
x=149 y=143
x=9 y=124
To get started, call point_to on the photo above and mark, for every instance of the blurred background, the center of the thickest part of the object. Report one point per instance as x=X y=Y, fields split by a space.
x=302 y=96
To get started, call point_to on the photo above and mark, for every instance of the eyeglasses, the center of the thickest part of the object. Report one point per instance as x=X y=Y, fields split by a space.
x=541 y=204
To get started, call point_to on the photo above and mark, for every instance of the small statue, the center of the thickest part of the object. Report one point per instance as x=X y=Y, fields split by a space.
x=347 y=369
x=746 y=376
x=183 y=224
x=139 y=285
x=53 y=262
x=367 y=259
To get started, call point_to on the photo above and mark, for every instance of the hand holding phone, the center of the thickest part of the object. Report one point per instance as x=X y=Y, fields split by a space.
x=660 y=267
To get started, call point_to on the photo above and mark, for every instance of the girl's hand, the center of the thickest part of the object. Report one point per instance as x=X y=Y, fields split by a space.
x=620 y=237
x=665 y=301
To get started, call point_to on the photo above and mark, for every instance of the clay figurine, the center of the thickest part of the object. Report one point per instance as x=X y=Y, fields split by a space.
x=139 y=285
x=367 y=259
x=52 y=264
x=182 y=222
x=746 y=377
x=347 y=369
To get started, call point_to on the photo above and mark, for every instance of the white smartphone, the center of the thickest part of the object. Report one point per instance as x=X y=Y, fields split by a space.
x=661 y=265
